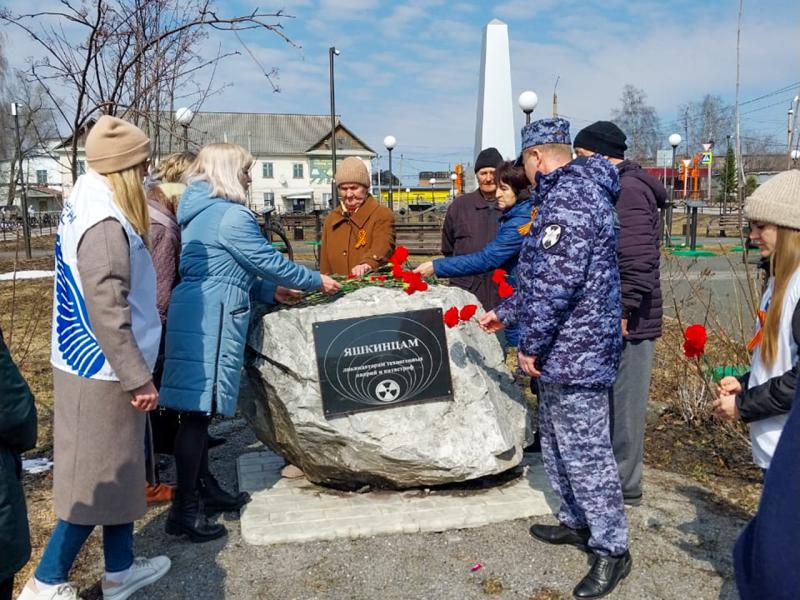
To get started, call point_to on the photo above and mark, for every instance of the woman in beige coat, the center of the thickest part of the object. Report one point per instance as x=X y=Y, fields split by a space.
x=104 y=344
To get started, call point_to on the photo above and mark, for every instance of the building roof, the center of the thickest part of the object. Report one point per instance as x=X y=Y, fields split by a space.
x=263 y=134
x=764 y=163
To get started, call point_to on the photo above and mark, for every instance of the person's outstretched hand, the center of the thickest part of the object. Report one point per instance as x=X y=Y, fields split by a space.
x=145 y=397
x=286 y=296
x=360 y=270
x=490 y=322
x=729 y=385
x=329 y=285
x=425 y=269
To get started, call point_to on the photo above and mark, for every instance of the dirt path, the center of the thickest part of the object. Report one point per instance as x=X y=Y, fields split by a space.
x=681 y=542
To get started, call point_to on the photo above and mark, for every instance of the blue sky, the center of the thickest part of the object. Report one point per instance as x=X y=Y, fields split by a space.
x=410 y=68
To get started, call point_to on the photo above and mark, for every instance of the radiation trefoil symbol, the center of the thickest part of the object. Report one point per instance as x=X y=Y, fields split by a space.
x=387 y=390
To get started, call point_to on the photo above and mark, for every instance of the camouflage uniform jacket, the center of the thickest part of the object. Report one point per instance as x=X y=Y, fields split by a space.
x=567 y=302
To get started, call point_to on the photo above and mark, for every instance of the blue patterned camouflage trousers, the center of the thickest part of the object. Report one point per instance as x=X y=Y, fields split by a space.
x=579 y=461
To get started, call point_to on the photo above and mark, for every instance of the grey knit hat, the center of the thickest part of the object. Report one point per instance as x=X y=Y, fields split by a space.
x=777 y=201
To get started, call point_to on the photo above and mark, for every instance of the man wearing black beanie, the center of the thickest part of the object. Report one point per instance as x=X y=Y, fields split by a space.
x=639 y=200
x=471 y=223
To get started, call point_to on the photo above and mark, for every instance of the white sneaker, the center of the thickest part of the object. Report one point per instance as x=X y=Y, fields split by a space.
x=65 y=591
x=144 y=571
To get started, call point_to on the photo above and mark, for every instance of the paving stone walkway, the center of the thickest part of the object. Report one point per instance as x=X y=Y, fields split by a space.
x=286 y=510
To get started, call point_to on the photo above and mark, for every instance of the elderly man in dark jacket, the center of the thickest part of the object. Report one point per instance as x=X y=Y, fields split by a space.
x=471 y=223
x=17 y=434
x=638 y=204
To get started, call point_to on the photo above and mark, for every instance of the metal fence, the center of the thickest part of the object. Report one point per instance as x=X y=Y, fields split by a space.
x=40 y=222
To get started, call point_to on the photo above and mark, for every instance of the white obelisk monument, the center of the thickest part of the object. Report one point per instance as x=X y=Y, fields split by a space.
x=495 y=123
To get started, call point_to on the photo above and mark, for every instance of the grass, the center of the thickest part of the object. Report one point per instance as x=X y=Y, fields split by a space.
x=685 y=439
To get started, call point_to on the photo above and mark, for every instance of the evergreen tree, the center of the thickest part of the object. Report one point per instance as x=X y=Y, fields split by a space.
x=729 y=175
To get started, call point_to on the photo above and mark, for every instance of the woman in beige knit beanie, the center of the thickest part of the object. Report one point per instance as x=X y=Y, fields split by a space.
x=104 y=346
x=763 y=396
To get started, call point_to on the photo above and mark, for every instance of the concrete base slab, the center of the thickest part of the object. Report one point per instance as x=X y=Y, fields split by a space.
x=296 y=510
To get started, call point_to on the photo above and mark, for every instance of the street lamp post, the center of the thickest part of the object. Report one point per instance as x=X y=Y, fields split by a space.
x=389 y=142
x=527 y=102
x=453 y=178
x=333 y=51
x=674 y=141
x=26 y=228
x=432 y=181
x=184 y=116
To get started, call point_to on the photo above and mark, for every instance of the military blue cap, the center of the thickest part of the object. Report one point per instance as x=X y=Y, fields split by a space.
x=546 y=131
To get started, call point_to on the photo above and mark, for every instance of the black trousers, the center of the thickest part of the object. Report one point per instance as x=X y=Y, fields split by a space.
x=191 y=450
x=7 y=588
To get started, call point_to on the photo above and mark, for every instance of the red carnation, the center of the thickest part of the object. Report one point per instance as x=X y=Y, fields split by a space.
x=381 y=277
x=504 y=290
x=468 y=311
x=451 y=317
x=694 y=341
x=397 y=271
x=499 y=276
x=399 y=256
x=351 y=276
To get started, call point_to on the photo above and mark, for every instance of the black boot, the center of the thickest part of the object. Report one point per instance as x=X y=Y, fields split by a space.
x=186 y=517
x=561 y=534
x=218 y=500
x=603 y=577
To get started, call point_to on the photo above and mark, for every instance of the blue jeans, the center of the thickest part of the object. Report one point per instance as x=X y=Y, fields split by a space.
x=67 y=540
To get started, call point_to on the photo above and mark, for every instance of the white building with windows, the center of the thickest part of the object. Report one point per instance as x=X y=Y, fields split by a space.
x=291 y=170
x=292 y=167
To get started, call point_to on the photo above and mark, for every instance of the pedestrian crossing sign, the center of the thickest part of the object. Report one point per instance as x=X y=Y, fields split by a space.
x=706 y=158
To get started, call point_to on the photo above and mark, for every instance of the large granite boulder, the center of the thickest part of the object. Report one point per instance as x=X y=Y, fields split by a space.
x=481 y=432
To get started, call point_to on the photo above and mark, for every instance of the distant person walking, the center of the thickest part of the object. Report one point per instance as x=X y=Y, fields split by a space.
x=17 y=434
x=104 y=346
x=641 y=195
x=763 y=397
x=225 y=261
x=471 y=222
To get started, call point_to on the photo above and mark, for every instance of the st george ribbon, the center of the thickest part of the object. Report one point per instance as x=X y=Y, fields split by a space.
x=371 y=362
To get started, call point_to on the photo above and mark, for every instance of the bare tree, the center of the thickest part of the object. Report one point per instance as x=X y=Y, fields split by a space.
x=639 y=121
x=36 y=122
x=130 y=58
x=710 y=118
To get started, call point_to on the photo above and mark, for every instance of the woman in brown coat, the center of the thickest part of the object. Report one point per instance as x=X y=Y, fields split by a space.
x=104 y=345
x=358 y=235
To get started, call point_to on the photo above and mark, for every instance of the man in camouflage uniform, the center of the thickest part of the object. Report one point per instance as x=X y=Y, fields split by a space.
x=568 y=307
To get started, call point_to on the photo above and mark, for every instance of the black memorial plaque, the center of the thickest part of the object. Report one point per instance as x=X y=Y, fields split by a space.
x=384 y=360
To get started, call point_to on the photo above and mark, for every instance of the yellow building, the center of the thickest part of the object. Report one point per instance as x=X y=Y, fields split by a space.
x=410 y=196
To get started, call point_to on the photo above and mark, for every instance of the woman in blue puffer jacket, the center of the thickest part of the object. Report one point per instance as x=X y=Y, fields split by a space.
x=225 y=263
x=514 y=199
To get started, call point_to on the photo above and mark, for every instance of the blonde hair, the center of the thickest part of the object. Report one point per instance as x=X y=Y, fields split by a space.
x=155 y=193
x=220 y=166
x=128 y=192
x=784 y=261
x=172 y=168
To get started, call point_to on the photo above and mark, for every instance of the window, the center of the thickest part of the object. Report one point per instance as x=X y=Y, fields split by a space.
x=269 y=199
x=297 y=170
x=41 y=177
x=299 y=205
x=266 y=170
x=81 y=167
x=326 y=199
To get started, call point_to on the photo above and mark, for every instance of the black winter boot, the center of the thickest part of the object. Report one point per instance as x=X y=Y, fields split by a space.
x=186 y=517
x=217 y=500
x=603 y=577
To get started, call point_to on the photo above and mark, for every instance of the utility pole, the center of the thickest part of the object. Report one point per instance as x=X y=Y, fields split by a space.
x=26 y=230
x=555 y=97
